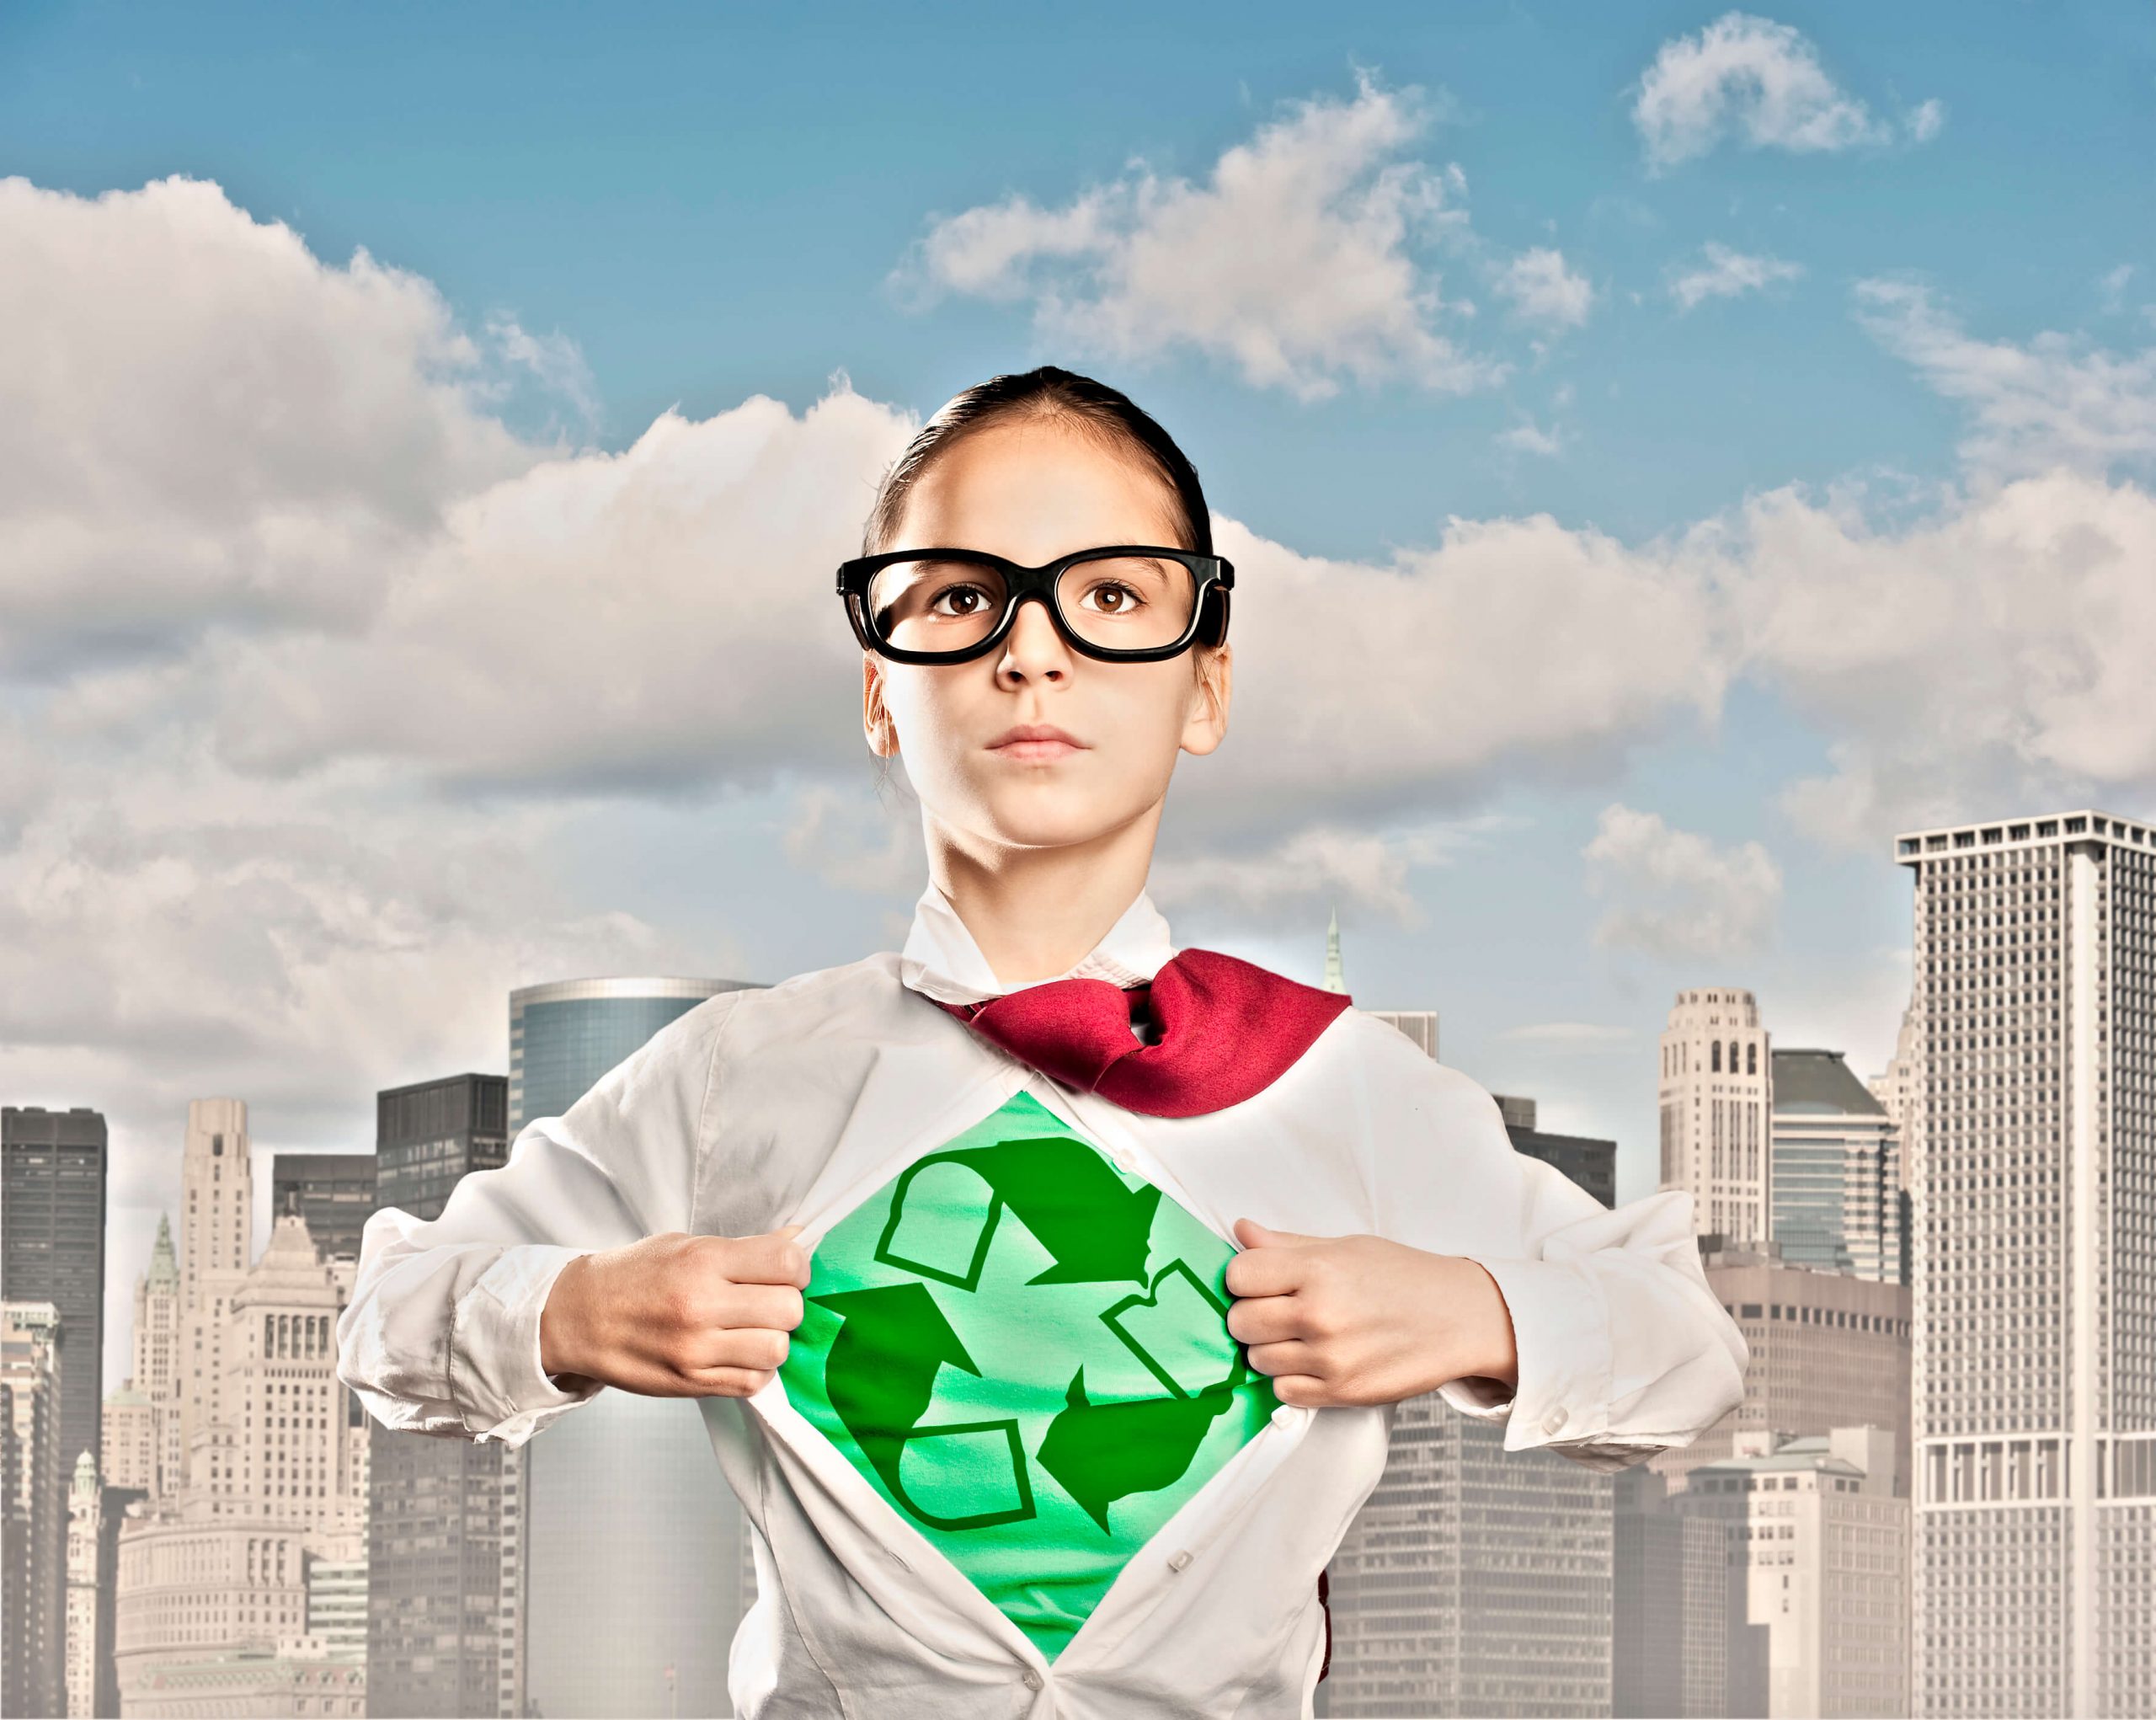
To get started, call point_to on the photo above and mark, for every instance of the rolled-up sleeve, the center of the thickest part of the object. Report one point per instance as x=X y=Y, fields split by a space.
x=441 y=1333
x=1623 y=1348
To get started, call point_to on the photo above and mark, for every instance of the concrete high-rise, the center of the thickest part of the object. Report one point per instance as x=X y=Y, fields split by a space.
x=33 y=1511
x=1474 y=1580
x=433 y=1621
x=1836 y=1170
x=52 y=1202
x=2034 y=1013
x=621 y=1538
x=1828 y=1349
x=1821 y=1544
x=1717 y=1073
x=216 y=1233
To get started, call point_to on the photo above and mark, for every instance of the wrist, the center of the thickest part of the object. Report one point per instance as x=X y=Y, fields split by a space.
x=561 y=1326
x=1499 y=1352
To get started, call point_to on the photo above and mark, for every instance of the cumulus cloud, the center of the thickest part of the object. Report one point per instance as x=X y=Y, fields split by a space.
x=1298 y=261
x=1761 y=82
x=1994 y=652
x=1544 y=288
x=1323 y=861
x=211 y=426
x=1676 y=894
x=2057 y=400
x=1721 y=273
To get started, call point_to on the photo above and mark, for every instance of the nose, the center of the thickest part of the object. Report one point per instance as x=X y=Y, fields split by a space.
x=1033 y=647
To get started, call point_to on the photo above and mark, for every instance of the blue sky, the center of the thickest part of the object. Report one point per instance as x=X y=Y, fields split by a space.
x=1739 y=424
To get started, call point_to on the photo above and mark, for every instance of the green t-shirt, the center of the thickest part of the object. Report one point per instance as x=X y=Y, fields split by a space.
x=1025 y=1351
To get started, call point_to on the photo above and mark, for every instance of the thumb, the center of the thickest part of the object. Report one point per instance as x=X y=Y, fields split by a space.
x=1252 y=1234
x=790 y=1230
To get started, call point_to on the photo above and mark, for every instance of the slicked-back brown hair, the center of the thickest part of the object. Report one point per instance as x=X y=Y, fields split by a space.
x=1060 y=396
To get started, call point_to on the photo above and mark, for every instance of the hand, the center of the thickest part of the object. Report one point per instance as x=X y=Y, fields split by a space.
x=1362 y=1319
x=676 y=1315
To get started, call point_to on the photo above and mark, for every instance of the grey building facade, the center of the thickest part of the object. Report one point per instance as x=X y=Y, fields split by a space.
x=1476 y=1580
x=433 y=1622
x=332 y=1191
x=53 y=1168
x=2034 y=1023
x=621 y=1540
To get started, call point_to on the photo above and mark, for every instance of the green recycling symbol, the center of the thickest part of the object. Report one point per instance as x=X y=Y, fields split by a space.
x=1026 y=1351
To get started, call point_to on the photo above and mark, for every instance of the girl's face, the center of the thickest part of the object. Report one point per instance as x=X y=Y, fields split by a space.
x=1032 y=491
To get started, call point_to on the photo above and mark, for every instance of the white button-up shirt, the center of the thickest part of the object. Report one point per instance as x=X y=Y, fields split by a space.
x=793 y=1104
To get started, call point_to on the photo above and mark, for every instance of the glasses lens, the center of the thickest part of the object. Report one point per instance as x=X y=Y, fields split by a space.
x=942 y=603
x=946 y=603
x=1128 y=602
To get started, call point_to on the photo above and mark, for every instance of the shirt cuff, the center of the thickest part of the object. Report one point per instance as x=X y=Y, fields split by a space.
x=1560 y=1330
x=494 y=1377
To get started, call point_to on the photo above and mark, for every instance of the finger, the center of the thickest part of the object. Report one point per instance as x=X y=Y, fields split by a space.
x=755 y=1347
x=1289 y=1357
x=777 y=1306
x=773 y=1257
x=1266 y=1319
x=730 y=1382
x=1301 y=1388
x=1266 y=1272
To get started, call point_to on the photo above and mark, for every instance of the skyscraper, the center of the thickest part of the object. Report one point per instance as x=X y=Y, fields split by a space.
x=216 y=1242
x=332 y=1191
x=52 y=1201
x=1716 y=1074
x=33 y=1511
x=621 y=1535
x=1475 y=1580
x=2035 y=1195
x=433 y=1593
x=1836 y=1169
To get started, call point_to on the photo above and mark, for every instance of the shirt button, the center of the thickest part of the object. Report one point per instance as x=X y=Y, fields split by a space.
x=1031 y=1679
x=1553 y=1421
x=1179 y=1560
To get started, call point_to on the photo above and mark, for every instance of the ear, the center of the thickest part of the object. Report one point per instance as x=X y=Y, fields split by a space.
x=875 y=720
x=1206 y=725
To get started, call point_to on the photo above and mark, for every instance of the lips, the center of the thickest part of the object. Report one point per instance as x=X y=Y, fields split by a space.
x=1034 y=740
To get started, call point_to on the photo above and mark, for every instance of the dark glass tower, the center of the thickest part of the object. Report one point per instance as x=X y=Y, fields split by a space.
x=52 y=1184
x=434 y=1505
x=629 y=1548
x=332 y=1191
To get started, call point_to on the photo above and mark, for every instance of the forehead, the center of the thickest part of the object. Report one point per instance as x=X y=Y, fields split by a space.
x=1035 y=489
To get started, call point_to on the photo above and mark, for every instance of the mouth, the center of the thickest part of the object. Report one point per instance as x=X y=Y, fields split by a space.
x=1035 y=742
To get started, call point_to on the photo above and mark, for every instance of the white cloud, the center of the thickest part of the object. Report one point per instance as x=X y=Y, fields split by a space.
x=2056 y=401
x=1760 y=82
x=1724 y=274
x=2111 y=287
x=1296 y=262
x=212 y=426
x=1529 y=437
x=1322 y=860
x=1679 y=896
x=1544 y=288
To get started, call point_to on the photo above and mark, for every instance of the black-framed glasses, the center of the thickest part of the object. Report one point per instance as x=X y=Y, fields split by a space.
x=1121 y=602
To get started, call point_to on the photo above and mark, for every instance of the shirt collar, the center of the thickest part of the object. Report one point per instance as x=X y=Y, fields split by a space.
x=940 y=959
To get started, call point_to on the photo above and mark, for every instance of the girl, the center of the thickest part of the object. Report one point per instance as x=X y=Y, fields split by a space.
x=972 y=1255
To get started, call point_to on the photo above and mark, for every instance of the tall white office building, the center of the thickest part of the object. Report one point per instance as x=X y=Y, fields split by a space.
x=1716 y=1093
x=2034 y=1377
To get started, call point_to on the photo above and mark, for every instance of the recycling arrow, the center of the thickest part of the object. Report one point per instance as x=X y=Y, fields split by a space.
x=880 y=1375
x=1098 y=1229
x=1100 y=1452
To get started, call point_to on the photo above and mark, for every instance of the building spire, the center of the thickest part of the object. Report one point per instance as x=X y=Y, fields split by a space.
x=1336 y=980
